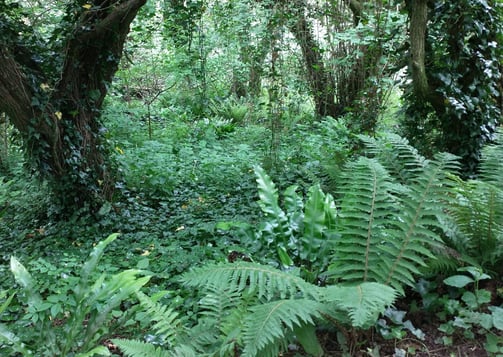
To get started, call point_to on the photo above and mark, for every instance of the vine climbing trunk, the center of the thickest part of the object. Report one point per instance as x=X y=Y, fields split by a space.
x=57 y=110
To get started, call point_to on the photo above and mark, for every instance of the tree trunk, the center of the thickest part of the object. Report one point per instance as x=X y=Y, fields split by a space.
x=59 y=120
x=417 y=32
x=320 y=79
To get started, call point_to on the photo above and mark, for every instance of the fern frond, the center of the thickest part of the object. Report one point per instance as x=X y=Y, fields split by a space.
x=491 y=164
x=266 y=281
x=478 y=213
x=184 y=351
x=388 y=229
x=363 y=303
x=223 y=310
x=369 y=203
x=136 y=348
x=203 y=337
x=395 y=153
x=423 y=204
x=265 y=324
x=167 y=324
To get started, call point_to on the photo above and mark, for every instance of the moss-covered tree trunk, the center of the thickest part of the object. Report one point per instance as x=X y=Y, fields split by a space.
x=57 y=109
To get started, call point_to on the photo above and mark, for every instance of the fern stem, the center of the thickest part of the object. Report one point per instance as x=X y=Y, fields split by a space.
x=371 y=222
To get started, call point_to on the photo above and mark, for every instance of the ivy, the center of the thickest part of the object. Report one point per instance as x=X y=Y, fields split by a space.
x=462 y=48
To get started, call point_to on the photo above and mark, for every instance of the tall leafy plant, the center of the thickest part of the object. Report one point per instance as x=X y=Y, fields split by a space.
x=390 y=214
x=300 y=232
x=77 y=326
x=478 y=213
x=375 y=242
x=386 y=225
x=454 y=100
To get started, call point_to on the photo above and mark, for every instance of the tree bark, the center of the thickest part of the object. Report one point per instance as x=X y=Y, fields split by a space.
x=417 y=32
x=320 y=79
x=60 y=120
x=356 y=8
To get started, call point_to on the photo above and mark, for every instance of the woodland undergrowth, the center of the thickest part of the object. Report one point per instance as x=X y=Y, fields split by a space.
x=219 y=256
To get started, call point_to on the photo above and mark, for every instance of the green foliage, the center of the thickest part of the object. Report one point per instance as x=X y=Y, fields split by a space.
x=232 y=109
x=393 y=326
x=316 y=152
x=278 y=303
x=387 y=228
x=301 y=234
x=193 y=155
x=74 y=321
x=469 y=311
x=25 y=205
x=165 y=324
x=386 y=224
x=462 y=51
x=257 y=309
x=477 y=213
x=141 y=349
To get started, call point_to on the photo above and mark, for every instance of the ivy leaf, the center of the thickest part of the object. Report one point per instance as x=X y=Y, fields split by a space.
x=458 y=281
x=497 y=313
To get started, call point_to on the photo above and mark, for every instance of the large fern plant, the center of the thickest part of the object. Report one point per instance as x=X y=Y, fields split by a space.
x=390 y=207
x=382 y=232
x=267 y=307
x=386 y=224
x=249 y=309
x=478 y=213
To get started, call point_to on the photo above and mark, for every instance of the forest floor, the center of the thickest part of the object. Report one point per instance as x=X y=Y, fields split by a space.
x=430 y=346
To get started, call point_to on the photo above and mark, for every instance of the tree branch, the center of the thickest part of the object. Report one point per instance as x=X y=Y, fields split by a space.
x=122 y=13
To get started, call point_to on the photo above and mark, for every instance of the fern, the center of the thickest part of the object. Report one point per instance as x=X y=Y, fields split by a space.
x=265 y=323
x=138 y=348
x=476 y=226
x=362 y=303
x=218 y=303
x=421 y=207
x=167 y=323
x=491 y=165
x=263 y=280
x=387 y=225
x=393 y=152
x=368 y=206
x=284 y=304
x=221 y=322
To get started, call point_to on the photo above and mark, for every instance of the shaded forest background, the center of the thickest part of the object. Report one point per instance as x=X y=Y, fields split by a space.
x=343 y=143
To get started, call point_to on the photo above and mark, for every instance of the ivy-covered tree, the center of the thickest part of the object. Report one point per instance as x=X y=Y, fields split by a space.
x=454 y=98
x=53 y=80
